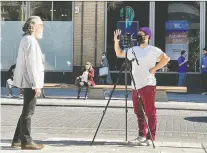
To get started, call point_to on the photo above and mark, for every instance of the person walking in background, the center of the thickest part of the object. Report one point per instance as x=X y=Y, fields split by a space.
x=105 y=79
x=29 y=75
x=104 y=64
x=182 y=63
x=9 y=83
x=204 y=71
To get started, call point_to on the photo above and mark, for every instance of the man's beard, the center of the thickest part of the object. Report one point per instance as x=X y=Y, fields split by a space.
x=40 y=36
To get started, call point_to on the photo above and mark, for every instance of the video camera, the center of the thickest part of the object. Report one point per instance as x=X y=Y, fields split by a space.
x=127 y=40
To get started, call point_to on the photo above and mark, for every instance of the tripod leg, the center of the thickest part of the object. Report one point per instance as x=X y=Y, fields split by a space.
x=126 y=96
x=141 y=105
x=117 y=80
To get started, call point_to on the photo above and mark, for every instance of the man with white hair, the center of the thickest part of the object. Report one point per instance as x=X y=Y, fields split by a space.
x=29 y=75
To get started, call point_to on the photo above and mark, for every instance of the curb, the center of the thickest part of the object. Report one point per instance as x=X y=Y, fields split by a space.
x=171 y=105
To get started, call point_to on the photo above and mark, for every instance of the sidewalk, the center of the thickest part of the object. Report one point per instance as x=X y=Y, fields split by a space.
x=71 y=129
x=102 y=103
x=82 y=145
x=63 y=97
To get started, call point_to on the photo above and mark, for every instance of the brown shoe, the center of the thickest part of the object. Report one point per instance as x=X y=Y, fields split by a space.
x=16 y=145
x=32 y=146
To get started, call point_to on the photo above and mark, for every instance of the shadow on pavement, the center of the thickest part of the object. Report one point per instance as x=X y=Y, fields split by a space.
x=65 y=143
x=197 y=119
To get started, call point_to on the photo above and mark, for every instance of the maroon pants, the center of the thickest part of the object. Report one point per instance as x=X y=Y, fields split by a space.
x=147 y=95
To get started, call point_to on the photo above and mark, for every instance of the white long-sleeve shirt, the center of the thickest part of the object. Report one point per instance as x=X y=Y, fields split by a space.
x=29 y=71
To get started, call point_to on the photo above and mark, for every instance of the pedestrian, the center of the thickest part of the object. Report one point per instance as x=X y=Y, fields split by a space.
x=105 y=79
x=29 y=75
x=145 y=81
x=204 y=71
x=183 y=65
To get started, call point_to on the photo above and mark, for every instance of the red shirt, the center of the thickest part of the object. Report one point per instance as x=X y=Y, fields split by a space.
x=91 y=76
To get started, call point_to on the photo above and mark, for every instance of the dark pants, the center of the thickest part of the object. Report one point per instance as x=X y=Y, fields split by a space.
x=147 y=95
x=102 y=79
x=204 y=82
x=182 y=79
x=83 y=84
x=23 y=129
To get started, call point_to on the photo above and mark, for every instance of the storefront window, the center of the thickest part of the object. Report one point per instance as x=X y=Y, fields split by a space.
x=52 y=11
x=42 y=9
x=57 y=42
x=177 y=28
x=206 y=27
x=12 y=18
x=62 y=11
x=128 y=16
x=12 y=11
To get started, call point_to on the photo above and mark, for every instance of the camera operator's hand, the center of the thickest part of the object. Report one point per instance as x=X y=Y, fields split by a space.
x=116 y=34
x=119 y=52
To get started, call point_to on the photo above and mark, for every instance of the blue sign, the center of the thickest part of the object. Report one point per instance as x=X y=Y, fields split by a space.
x=179 y=25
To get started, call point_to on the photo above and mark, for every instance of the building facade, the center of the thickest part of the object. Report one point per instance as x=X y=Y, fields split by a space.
x=79 y=32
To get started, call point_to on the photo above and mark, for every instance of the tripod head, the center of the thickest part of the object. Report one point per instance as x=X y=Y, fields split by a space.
x=129 y=42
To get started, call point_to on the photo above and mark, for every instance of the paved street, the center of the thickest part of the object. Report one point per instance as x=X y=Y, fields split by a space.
x=70 y=129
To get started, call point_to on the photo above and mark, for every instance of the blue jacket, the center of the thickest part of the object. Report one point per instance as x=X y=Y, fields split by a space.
x=204 y=62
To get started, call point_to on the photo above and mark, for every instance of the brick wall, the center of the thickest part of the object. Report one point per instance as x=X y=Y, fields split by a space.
x=77 y=36
x=100 y=31
x=88 y=48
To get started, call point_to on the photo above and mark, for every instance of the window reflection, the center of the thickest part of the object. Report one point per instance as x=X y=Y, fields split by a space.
x=12 y=11
x=57 y=42
x=52 y=11
x=177 y=27
x=42 y=9
x=123 y=11
x=62 y=11
x=206 y=26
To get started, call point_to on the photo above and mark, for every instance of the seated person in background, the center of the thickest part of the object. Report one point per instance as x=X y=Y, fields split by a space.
x=86 y=79
x=9 y=82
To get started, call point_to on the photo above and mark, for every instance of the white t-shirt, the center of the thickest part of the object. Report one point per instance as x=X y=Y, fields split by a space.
x=85 y=77
x=147 y=58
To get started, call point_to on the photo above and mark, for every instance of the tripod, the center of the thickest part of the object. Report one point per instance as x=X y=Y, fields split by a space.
x=126 y=65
